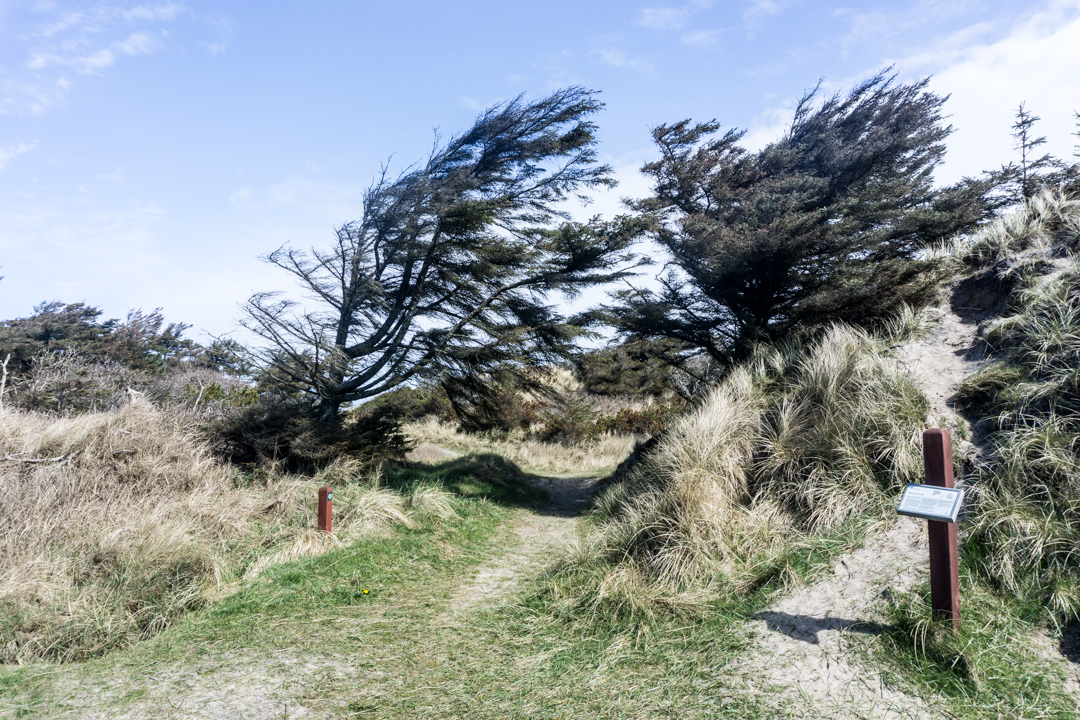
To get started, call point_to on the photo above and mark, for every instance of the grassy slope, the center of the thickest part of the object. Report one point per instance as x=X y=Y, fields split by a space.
x=1019 y=569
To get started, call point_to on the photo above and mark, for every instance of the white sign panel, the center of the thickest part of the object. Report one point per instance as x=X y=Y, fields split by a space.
x=931 y=502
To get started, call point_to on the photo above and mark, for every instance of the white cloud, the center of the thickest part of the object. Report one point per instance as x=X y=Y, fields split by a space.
x=86 y=41
x=116 y=175
x=470 y=103
x=7 y=154
x=887 y=27
x=224 y=33
x=663 y=18
x=703 y=39
x=769 y=126
x=326 y=199
x=759 y=12
x=616 y=58
x=626 y=171
x=139 y=43
x=1035 y=63
x=31 y=97
x=122 y=258
x=165 y=11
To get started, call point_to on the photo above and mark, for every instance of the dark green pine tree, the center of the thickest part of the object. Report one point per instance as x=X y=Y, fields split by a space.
x=449 y=274
x=827 y=223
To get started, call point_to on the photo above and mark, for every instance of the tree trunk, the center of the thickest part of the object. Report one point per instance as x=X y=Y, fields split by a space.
x=328 y=412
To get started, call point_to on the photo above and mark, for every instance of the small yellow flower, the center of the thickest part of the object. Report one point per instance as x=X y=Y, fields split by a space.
x=365 y=591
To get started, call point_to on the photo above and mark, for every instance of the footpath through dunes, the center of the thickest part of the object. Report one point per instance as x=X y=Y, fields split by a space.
x=809 y=649
x=541 y=537
x=541 y=534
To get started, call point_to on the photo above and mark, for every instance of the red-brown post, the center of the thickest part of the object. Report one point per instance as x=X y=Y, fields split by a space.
x=944 y=564
x=326 y=508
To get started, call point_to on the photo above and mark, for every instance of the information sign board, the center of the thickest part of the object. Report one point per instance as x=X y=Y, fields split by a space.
x=931 y=502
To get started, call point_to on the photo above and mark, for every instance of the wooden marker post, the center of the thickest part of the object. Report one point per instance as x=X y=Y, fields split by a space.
x=944 y=564
x=326 y=508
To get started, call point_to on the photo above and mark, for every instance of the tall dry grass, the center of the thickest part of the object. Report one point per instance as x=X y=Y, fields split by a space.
x=789 y=447
x=113 y=524
x=1051 y=219
x=1025 y=531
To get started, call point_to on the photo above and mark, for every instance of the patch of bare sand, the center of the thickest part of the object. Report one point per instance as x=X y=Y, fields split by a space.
x=213 y=688
x=807 y=651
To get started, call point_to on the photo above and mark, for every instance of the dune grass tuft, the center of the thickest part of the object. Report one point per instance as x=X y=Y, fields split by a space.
x=792 y=448
x=1025 y=531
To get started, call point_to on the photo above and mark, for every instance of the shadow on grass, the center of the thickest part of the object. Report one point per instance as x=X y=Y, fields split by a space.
x=488 y=476
x=807 y=627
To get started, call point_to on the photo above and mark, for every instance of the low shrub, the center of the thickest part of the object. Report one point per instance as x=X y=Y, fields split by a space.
x=410 y=403
x=282 y=431
x=651 y=420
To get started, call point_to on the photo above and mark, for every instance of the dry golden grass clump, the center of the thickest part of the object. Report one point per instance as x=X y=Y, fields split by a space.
x=1049 y=220
x=787 y=448
x=587 y=457
x=113 y=524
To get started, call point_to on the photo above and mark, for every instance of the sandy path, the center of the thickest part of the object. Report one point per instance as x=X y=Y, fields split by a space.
x=543 y=533
x=808 y=646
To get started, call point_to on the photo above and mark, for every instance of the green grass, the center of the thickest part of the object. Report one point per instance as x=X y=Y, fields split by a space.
x=308 y=631
x=991 y=669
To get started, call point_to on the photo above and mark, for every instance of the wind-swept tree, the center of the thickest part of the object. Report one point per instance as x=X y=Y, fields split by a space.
x=1030 y=174
x=451 y=270
x=827 y=223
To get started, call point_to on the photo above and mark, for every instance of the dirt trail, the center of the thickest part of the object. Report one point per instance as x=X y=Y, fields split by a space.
x=542 y=533
x=807 y=646
x=806 y=650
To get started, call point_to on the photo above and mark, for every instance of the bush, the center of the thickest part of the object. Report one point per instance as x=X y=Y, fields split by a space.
x=71 y=383
x=283 y=432
x=410 y=403
x=650 y=420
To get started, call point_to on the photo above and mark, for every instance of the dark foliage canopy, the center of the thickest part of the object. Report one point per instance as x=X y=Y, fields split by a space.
x=448 y=272
x=825 y=224
x=142 y=341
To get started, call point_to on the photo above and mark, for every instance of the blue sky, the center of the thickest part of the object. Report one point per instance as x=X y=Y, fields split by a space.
x=150 y=152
